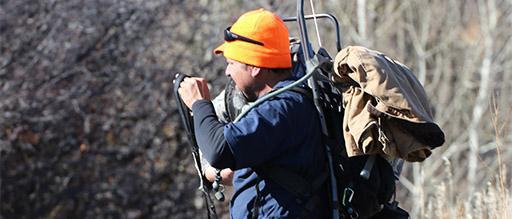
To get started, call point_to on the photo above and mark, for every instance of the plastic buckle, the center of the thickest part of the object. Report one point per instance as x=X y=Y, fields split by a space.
x=348 y=194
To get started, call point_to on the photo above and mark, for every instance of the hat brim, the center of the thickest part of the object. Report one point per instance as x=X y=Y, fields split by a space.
x=220 y=49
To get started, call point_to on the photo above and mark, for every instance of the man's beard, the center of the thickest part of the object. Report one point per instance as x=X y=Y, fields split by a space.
x=249 y=94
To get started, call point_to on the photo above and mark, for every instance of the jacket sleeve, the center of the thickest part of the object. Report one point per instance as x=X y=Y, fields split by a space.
x=209 y=134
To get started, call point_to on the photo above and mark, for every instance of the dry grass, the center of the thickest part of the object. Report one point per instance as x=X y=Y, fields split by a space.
x=447 y=194
x=491 y=202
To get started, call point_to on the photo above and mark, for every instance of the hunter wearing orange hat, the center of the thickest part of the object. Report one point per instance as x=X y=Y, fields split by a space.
x=281 y=132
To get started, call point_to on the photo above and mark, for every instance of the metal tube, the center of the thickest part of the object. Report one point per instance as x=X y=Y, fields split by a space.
x=307 y=51
x=331 y=17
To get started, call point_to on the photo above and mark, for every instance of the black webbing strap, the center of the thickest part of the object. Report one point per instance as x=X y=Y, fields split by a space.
x=256 y=205
x=304 y=91
x=188 y=124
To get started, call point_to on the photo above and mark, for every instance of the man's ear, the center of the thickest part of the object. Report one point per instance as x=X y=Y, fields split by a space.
x=255 y=71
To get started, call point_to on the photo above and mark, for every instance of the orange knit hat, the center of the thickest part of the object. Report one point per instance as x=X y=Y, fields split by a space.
x=258 y=38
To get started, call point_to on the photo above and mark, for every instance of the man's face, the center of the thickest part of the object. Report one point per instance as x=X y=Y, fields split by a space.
x=241 y=74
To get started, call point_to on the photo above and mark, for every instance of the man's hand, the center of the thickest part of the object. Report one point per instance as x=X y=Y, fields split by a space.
x=192 y=89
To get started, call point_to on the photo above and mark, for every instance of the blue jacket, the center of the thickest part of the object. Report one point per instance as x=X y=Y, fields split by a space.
x=283 y=131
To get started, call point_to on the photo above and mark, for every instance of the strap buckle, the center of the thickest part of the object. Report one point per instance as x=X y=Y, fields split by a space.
x=348 y=195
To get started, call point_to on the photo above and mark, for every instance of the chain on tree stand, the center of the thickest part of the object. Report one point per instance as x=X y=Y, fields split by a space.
x=361 y=186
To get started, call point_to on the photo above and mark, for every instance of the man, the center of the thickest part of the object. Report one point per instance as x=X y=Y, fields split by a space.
x=283 y=131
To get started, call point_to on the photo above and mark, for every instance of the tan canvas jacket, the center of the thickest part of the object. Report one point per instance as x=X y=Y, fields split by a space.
x=386 y=107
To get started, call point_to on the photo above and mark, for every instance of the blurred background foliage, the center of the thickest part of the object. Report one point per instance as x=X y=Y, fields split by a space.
x=89 y=127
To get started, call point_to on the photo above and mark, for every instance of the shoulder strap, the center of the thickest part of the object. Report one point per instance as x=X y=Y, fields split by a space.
x=305 y=91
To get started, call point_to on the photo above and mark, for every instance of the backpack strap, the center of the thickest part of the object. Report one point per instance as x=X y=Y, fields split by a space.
x=256 y=205
x=305 y=91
